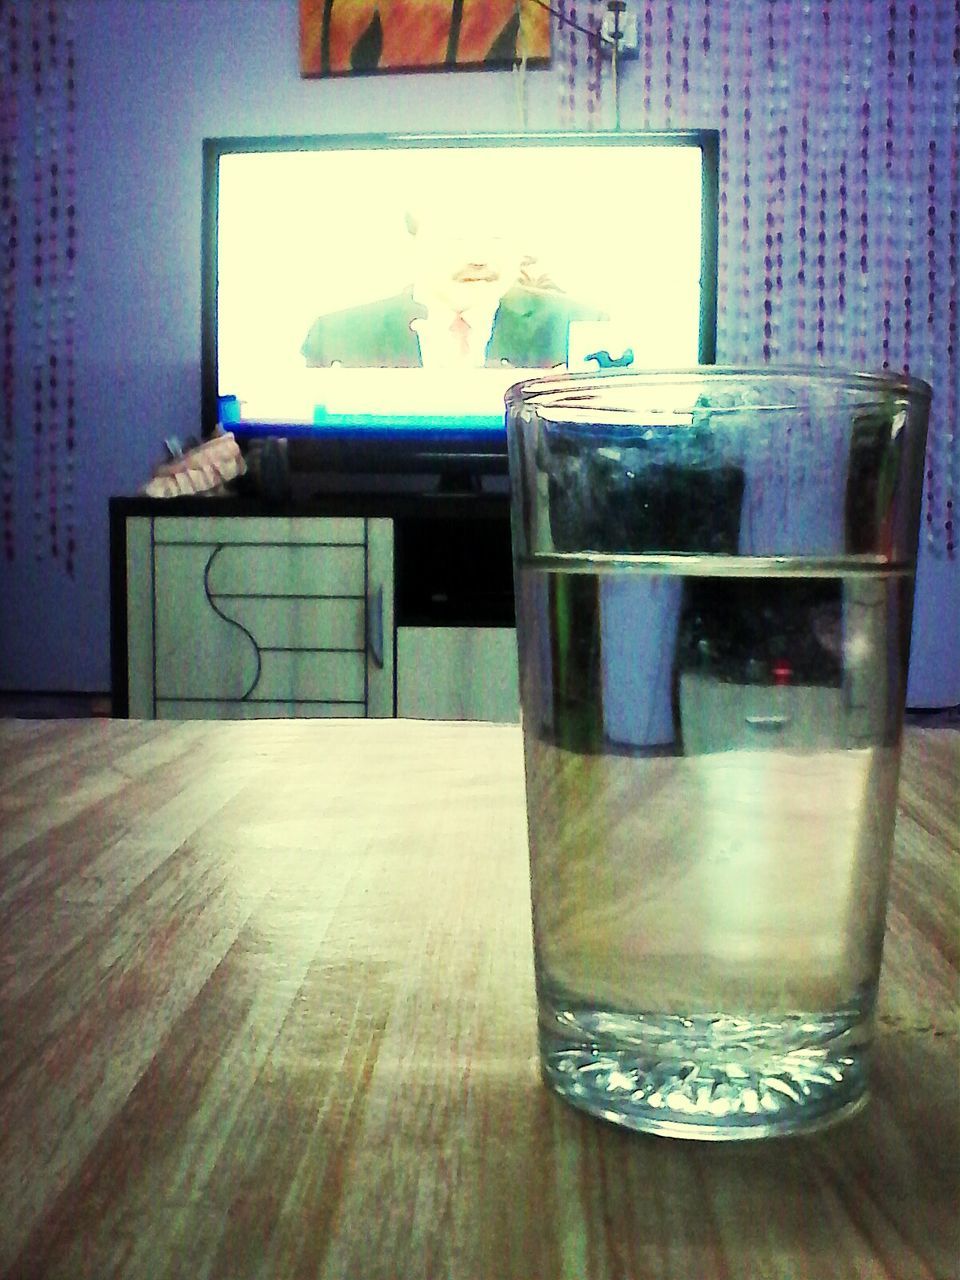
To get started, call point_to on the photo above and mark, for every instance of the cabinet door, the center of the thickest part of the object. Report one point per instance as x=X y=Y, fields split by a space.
x=457 y=673
x=265 y=617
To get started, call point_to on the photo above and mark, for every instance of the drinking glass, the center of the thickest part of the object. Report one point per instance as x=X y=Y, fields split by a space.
x=714 y=575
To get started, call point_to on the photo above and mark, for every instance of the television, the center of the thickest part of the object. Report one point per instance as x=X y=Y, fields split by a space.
x=370 y=298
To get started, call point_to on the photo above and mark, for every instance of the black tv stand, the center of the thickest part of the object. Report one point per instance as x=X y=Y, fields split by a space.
x=459 y=481
x=447 y=648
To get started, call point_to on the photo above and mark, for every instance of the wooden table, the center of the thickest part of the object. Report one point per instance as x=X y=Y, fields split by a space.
x=267 y=1009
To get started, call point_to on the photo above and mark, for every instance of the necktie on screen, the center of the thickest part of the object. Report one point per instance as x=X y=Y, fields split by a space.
x=461 y=333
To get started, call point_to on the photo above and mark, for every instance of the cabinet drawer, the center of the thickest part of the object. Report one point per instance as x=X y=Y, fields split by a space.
x=457 y=673
x=718 y=715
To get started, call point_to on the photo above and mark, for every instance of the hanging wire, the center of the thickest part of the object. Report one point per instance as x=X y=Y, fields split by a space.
x=520 y=88
x=595 y=38
x=519 y=71
x=614 y=71
x=594 y=35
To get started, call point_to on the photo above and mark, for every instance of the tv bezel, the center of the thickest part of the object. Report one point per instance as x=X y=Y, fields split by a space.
x=409 y=450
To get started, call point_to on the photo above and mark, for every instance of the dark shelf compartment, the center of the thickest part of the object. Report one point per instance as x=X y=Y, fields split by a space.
x=453 y=573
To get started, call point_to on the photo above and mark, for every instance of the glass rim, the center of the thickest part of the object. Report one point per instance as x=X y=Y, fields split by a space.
x=883 y=381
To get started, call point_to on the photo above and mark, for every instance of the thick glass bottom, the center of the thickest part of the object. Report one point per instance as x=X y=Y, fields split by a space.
x=716 y=1078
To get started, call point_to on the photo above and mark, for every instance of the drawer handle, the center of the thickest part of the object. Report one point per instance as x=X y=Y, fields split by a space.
x=768 y=722
x=375 y=627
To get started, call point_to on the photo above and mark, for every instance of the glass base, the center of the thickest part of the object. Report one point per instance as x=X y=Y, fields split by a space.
x=718 y=1079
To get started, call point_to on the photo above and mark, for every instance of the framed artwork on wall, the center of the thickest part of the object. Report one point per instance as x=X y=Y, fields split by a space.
x=341 y=37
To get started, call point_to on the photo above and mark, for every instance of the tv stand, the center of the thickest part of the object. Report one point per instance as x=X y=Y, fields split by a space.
x=352 y=603
x=459 y=481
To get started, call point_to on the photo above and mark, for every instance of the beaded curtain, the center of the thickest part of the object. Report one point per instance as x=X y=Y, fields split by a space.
x=839 y=190
x=37 y=264
x=839 y=186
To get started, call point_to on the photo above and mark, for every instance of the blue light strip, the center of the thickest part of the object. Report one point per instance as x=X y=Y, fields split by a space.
x=374 y=424
x=407 y=421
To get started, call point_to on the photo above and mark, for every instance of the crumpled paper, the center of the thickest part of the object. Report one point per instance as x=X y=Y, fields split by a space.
x=204 y=470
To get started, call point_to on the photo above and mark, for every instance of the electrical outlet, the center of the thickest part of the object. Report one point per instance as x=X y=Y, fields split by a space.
x=623 y=23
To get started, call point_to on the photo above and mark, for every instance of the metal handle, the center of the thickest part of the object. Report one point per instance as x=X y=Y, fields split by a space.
x=375 y=626
x=768 y=722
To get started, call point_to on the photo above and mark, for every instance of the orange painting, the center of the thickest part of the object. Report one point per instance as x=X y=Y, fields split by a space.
x=338 y=37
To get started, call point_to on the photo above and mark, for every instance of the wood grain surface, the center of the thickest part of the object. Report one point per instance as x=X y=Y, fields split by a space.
x=267 y=1010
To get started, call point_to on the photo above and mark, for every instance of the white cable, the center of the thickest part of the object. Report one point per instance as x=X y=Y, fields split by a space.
x=614 y=65
x=519 y=71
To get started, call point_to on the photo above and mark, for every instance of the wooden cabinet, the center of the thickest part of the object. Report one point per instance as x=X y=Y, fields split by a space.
x=259 y=616
x=719 y=715
x=457 y=673
x=382 y=604
x=367 y=605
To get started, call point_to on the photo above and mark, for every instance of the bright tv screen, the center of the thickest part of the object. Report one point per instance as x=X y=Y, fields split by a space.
x=404 y=282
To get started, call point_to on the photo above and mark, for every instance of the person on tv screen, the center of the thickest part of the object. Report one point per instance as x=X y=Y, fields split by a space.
x=475 y=301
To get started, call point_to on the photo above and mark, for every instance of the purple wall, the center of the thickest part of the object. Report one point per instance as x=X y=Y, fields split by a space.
x=845 y=100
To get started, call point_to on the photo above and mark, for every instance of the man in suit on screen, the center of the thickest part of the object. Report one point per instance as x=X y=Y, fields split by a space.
x=476 y=301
